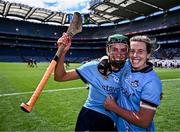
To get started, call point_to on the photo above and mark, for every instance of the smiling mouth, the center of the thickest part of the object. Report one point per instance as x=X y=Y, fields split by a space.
x=135 y=61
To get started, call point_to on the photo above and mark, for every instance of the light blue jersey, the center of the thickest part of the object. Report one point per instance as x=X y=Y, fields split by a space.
x=99 y=87
x=143 y=86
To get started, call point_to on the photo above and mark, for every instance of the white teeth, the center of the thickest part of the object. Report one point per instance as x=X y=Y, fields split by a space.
x=135 y=61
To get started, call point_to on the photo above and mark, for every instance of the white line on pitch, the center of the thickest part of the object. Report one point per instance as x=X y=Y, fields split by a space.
x=166 y=80
x=44 y=91
x=64 y=89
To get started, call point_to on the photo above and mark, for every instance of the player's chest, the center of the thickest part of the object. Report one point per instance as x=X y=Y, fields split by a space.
x=132 y=87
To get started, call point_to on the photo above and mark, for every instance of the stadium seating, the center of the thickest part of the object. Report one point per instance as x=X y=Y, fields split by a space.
x=20 y=40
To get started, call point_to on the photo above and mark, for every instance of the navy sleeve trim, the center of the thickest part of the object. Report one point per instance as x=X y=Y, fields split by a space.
x=82 y=78
x=149 y=103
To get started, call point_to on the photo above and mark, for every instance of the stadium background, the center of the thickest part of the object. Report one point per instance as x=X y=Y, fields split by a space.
x=21 y=40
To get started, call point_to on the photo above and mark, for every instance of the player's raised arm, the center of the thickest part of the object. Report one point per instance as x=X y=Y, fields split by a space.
x=60 y=74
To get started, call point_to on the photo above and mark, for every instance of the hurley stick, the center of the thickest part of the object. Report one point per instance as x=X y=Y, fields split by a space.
x=74 y=28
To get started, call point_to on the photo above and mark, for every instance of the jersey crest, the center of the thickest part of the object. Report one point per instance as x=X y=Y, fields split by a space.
x=115 y=78
x=135 y=83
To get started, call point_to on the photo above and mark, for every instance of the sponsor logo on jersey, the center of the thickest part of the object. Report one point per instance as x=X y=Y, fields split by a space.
x=111 y=89
x=126 y=92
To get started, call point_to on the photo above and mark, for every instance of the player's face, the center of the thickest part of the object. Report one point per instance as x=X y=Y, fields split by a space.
x=138 y=55
x=118 y=52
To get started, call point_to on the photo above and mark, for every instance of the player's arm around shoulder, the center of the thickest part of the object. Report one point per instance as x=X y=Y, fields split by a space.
x=141 y=118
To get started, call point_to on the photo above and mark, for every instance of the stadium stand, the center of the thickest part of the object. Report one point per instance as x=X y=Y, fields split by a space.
x=21 y=40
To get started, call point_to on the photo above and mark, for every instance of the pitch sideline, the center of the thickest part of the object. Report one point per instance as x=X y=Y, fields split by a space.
x=64 y=89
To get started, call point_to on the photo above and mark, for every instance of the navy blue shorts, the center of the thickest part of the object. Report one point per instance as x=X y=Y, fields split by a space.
x=89 y=120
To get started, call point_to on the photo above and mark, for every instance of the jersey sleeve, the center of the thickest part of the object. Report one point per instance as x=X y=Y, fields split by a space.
x=151 y=92
x=87 y=71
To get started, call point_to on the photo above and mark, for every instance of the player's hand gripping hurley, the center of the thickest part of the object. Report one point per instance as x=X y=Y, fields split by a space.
x=74 y=28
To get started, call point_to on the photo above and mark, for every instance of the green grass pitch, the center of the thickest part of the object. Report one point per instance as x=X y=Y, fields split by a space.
x=58 y=110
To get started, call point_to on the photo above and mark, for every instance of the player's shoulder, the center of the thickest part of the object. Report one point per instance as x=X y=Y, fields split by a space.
x=153 y=78
x=149 y=73
x=152 y=74
x=90 y=63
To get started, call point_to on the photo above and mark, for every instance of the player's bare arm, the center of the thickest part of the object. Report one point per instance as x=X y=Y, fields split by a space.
x=60 y=74
x=142 y=118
